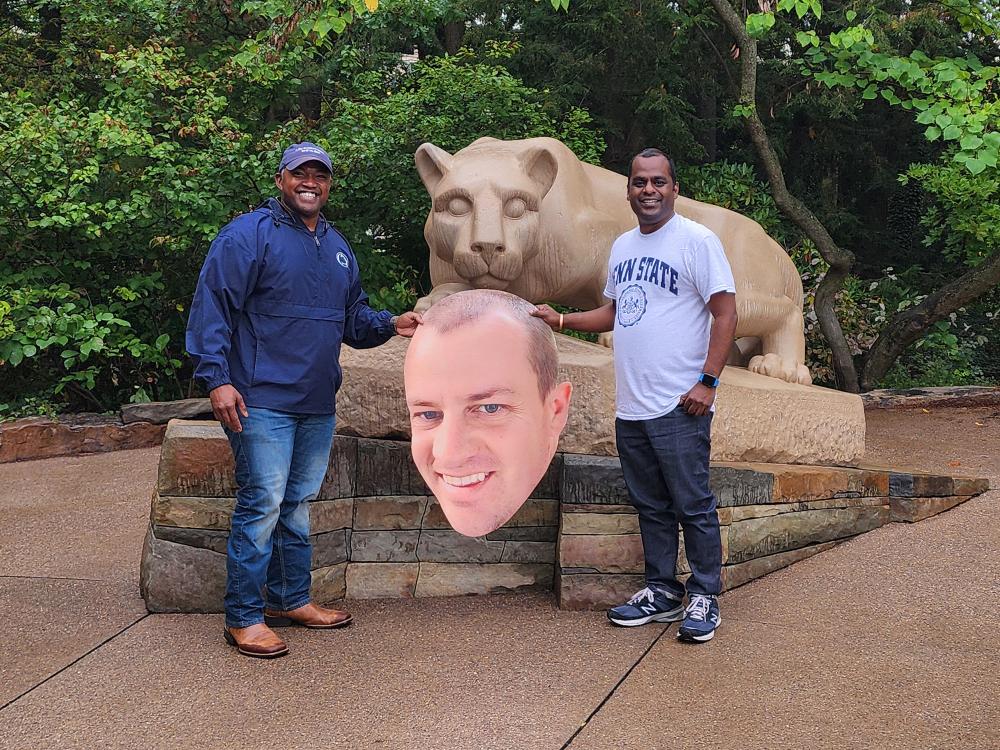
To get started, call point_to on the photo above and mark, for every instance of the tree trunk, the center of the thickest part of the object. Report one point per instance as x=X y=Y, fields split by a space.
x=452 y=36
x=840 y=260
x=908 y=326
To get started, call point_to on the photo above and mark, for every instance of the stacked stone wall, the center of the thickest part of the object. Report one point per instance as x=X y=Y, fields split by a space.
x=377 y=532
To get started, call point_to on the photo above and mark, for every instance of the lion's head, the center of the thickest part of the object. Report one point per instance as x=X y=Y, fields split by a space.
x=485 y=204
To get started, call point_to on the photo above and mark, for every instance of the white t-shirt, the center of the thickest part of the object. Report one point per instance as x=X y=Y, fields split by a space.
x=661 y=283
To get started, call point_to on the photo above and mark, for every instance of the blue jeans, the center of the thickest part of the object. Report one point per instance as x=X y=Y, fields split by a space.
x=665 y=465
x=281 y=460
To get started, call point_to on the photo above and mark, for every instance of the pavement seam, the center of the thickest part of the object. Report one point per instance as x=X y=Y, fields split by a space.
x=613 y=690
x=80 y=658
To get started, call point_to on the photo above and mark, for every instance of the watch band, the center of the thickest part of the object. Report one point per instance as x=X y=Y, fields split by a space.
x=709 y=381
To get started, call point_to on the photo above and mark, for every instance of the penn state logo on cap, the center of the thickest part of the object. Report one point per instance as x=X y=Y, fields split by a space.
x=342 y=260
x=299 y=153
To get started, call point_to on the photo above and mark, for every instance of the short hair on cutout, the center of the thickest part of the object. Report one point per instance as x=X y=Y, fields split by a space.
x=463 y=308
x=648 y=152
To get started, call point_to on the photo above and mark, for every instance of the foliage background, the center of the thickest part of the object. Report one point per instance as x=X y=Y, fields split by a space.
x=131 y=130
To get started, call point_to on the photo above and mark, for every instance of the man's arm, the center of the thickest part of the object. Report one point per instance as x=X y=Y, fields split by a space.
x=722 y=305
x=598 y=320
x=226 y=278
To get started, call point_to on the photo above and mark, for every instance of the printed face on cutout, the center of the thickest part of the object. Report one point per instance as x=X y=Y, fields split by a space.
x=482 y=433
x=651 y=192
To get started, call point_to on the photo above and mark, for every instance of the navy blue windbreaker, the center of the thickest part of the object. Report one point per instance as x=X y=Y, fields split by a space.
x=273 y=303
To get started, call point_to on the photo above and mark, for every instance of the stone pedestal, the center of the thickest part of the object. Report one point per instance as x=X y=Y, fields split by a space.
x=757 y=418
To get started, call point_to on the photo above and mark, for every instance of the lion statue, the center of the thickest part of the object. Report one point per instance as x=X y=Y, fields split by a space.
x=530 y=218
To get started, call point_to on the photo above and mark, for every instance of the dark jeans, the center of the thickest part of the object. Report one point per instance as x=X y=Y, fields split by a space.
x=665 y=464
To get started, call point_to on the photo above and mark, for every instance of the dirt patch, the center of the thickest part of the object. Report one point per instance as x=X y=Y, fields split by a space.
x=959 y=441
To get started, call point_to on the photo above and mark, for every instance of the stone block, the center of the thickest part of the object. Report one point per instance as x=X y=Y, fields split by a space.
x=341 y=473
x=597 y=508
x=761 y=537
x=970 y=485
x=529 y=552
x=434 y=517
x=596 y=591
x=740 y=486
x=902 y=484
x=737 y=575
x=39 y=437
x=535 y=512
x=209 y=539
x=196 y=461
x=759 y=418
x=525 y=534
x=398 y=512
x=192 y=512
x=802 y=483
x=600 y=523
x=385 y=468
x=912 y=509
x=161 y=412
x=330 y=515
x=548 y=487
x=381 y=580
x=329 y=548
x=601 y=554
x=457 y=579
x=328 y=583
x=177 y=578
x=743 y=512
x=449 y=546
x=592 y=480
x=384 y=546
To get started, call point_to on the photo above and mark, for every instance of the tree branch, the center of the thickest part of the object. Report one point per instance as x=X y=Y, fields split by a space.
x=909 y=325
x=840 y=260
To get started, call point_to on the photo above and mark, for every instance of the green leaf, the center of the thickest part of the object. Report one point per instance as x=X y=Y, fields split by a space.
x=851 y=15
x=975 y=165
x=951 y=132
x=161 y=341
x=970 y=142
x=932 y=133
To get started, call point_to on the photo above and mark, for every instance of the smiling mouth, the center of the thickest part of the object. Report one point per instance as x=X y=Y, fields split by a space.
x=309 y=194
x=469 y=480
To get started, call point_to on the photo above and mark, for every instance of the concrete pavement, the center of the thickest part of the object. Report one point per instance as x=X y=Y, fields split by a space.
x=887 y=641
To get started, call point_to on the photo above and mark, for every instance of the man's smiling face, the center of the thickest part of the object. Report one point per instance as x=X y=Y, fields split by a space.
x=305 y=189
x=482 y=434
x=651 y=192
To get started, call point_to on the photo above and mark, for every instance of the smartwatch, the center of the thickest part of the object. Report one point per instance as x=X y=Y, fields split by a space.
x=709 y=381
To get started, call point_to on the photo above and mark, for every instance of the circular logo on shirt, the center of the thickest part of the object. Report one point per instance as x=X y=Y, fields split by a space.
x=342 y=260
x=631 y=305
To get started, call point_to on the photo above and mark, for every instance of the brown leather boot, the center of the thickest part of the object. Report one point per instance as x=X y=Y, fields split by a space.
x=257 y=640
x=308 y=616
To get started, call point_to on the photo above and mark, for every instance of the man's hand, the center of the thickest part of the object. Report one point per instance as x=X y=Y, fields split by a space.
x=549 y=316
x=227 y=405
x=698 y=401
x=406 y=324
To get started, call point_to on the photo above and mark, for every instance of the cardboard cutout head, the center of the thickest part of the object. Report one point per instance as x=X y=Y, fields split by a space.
x=485 y=409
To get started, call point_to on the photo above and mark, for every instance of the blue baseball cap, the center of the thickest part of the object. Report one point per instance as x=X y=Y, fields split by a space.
x=299 y=153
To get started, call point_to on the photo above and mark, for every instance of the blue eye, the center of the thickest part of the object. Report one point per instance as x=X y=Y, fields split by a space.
x=428 y=416
x=490 y=408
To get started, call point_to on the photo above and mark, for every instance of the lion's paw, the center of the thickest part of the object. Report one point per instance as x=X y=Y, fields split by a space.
x=783 y=368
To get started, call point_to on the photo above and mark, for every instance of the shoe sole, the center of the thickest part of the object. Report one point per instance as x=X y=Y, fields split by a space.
x=232 y=642
x=662 y=617
x=287 y=622
x=682 y=636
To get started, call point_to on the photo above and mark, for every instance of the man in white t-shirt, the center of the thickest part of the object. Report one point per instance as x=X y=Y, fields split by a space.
x=673 y=311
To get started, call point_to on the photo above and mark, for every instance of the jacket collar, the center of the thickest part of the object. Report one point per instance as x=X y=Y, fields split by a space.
x=280 y=214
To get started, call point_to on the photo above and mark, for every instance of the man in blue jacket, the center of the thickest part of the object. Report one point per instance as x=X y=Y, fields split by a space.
x=278 y=294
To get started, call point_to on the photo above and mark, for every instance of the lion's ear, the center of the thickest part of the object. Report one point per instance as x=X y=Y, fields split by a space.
x=433 y=163
x=540 y=165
